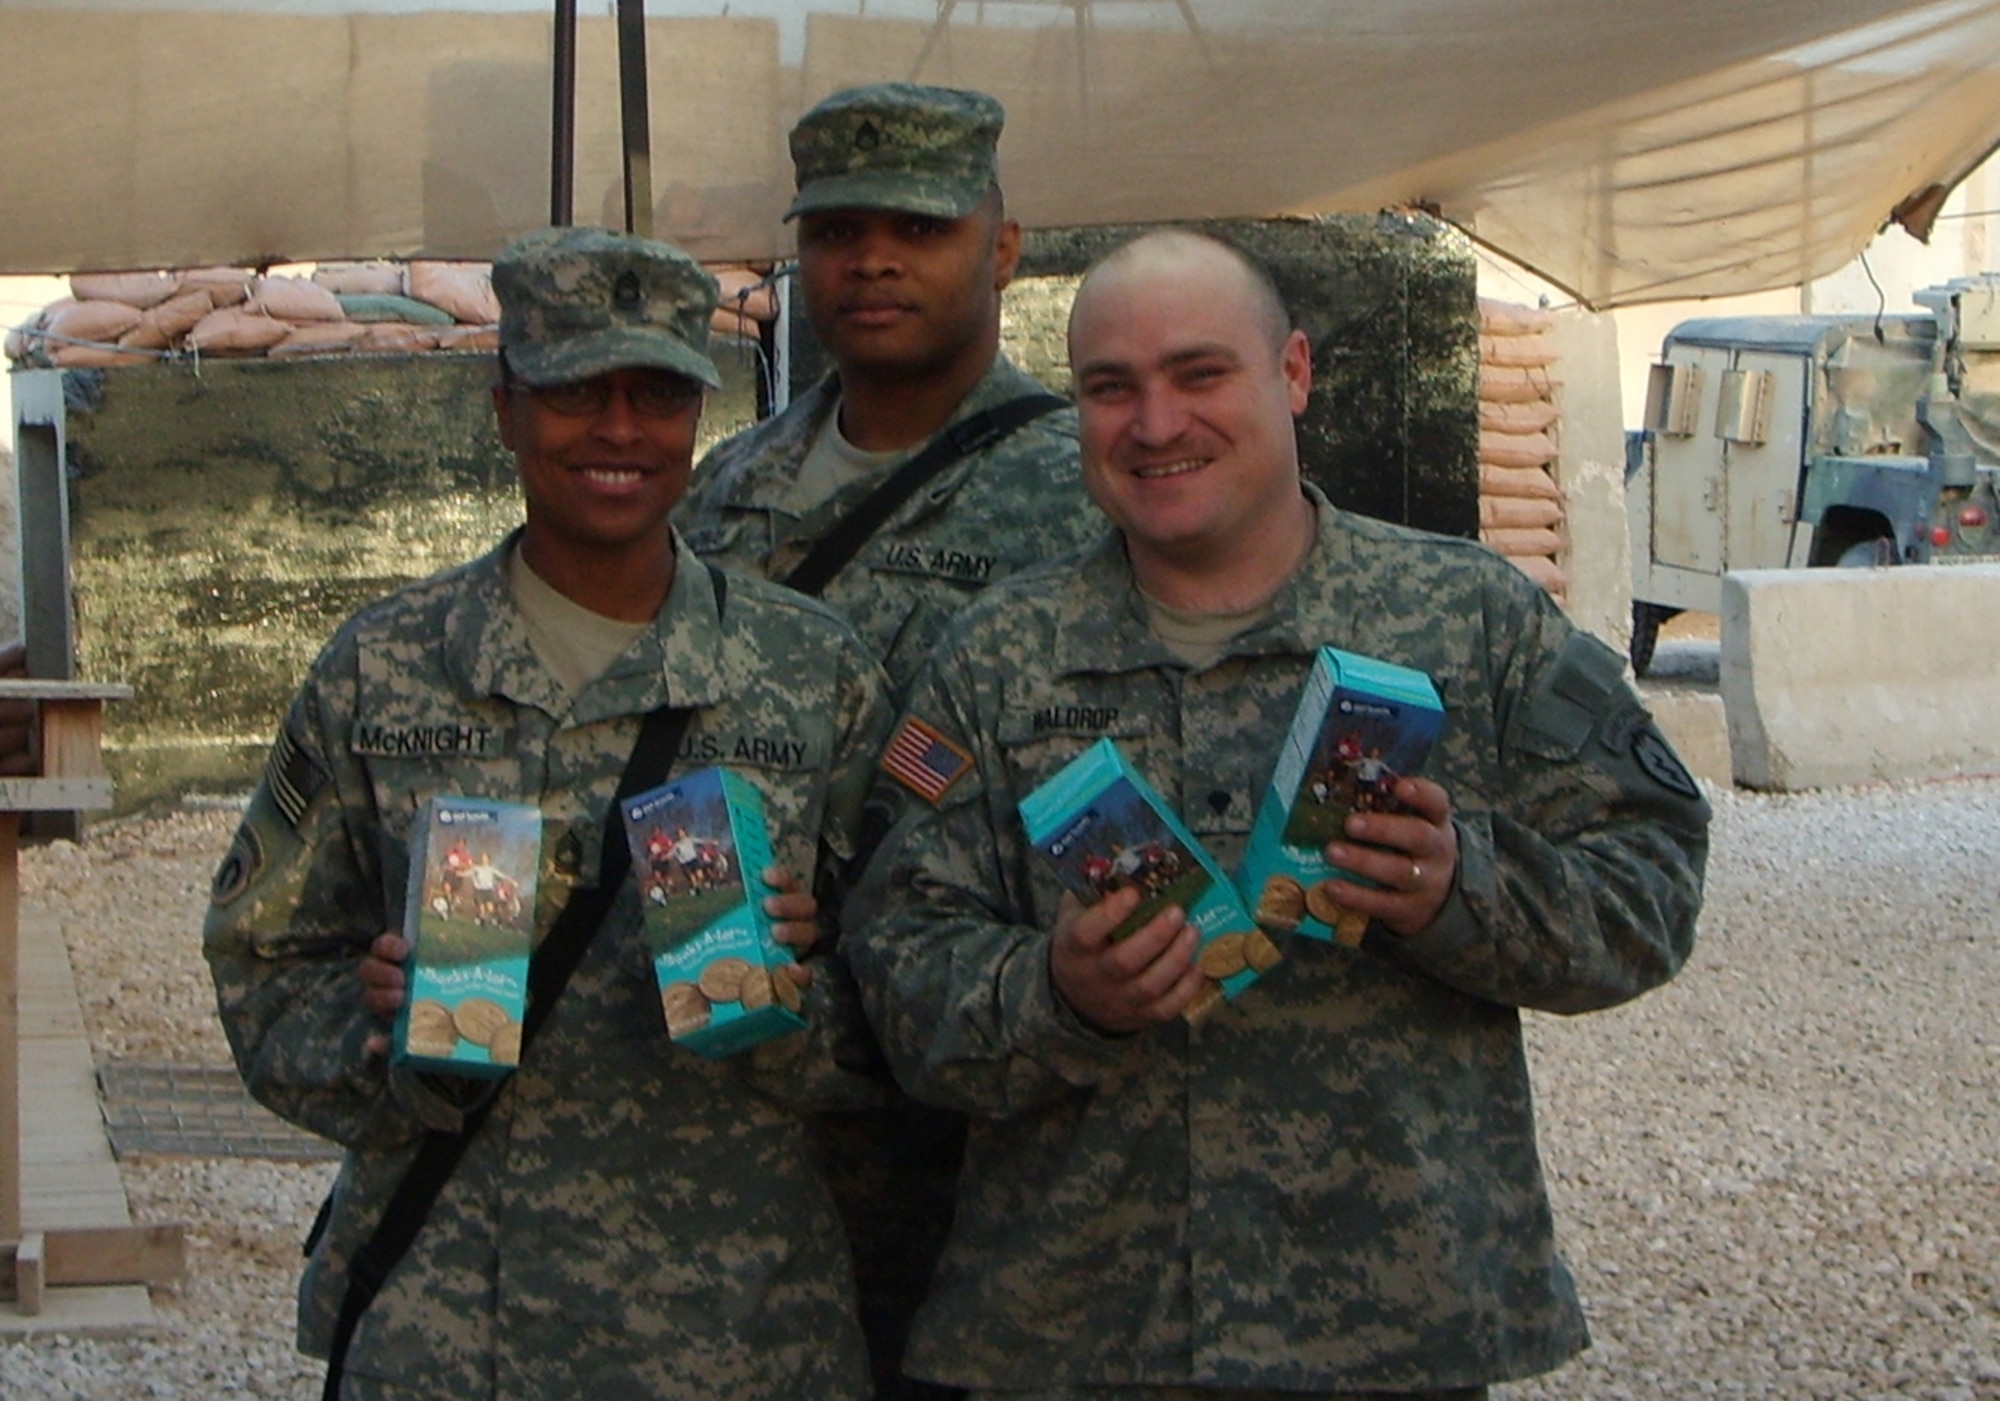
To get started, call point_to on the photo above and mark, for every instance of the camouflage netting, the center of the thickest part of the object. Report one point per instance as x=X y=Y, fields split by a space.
x=131 y=318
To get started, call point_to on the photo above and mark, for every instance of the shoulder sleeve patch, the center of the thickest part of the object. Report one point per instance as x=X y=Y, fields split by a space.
x=1657 y=760
x=923 y=760
x=294 y=777
x=239 y=866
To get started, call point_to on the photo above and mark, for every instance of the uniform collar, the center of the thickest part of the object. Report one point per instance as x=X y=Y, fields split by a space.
x=770 y=484
x=1094 y=637
x=679 y=659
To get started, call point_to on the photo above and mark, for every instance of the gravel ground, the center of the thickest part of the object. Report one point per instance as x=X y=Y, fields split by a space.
x=1777 y=1177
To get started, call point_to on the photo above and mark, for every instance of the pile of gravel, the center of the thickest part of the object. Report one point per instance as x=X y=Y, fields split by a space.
x=1777 y=1177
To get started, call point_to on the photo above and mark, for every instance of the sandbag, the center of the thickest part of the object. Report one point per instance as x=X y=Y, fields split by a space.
x=1512 y=319
x=1510 y=384
x=360 y=279
x=93 y=320
x=745 y=295
x=1518 y=418
x=394 y=338
x=378 y=306
x=137 y=289
x=1519 y=512
x=463 y=289
x=294 y=299
x=22 y=340
x=1517 y=449
x=469 y=338
x=320 y=338
x=160 y=326
x=1533 y=351
x=81 y=357
x=1517 y=481
x=1523 y=542
x=236 y=330
x=225 y=286
x=1543 y=571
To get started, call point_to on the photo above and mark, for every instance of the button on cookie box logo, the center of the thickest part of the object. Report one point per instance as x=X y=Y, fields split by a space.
x=699 y=849
x=470 y=918
x=1361 y=724
x=1102 y=828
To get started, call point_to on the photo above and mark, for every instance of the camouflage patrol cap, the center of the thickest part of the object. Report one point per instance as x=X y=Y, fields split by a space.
x=581 y=302
x=903 y=146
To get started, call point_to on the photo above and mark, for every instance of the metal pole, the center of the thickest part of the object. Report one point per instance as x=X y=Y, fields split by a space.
x=11 y=1191
x=632 y=110
x=562 y=118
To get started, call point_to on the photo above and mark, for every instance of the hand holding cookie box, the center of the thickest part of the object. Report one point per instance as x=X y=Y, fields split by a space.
x=699 y=850
x=1361 y=724
x=469 y=916
x=1103 y=828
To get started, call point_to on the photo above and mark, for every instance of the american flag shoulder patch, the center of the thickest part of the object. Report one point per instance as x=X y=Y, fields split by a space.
x=293 y=776
x=924 y=761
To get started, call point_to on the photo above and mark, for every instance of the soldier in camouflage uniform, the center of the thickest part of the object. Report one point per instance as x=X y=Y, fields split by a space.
x=1329 y=1186
x=632 y=1220
x=904 y=250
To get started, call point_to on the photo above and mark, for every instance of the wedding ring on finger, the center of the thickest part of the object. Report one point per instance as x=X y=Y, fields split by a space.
x=1416 y=876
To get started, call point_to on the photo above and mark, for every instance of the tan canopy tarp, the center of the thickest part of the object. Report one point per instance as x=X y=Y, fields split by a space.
x=1627 y=152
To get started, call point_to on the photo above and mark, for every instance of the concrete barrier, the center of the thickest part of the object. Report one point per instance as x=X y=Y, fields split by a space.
x=1693 y=721
x=1833 y=677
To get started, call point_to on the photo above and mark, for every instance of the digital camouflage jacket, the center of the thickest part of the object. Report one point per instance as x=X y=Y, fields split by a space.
x=633 y=1220
x=1332 y=1183
x=986 y=516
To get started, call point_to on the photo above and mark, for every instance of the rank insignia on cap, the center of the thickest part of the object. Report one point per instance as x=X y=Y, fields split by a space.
x=867 y=137
x=924 y=761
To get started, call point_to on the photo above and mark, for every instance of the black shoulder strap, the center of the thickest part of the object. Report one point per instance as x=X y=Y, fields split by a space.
x=549 y=971
x=830 y=554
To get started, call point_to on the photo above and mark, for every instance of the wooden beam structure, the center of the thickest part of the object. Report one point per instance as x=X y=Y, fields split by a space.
x=35 y=1260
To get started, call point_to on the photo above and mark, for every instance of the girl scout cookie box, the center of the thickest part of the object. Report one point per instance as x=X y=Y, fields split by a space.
x=1361 y=724
x=699 y=847
x=469 y=916
x=1103 y=827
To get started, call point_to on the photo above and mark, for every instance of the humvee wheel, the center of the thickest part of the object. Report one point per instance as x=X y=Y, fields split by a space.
x=1876 y=552
x=1646 y=620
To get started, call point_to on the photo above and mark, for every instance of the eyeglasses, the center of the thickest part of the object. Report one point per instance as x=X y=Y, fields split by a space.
x=664 y=397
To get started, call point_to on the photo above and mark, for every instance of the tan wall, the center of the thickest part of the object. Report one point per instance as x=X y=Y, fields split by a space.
x=1591 y=472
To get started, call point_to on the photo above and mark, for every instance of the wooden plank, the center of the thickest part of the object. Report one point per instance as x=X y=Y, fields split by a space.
x=72 y=731
x=151 y=1254
x=54 y=794
x=70 y=1179
x=49 y=1006
x=24 y=688
x=59 y=1101
x=85 y=1311
x=27 y=1273
x=62 y=1197
x=105 y=1255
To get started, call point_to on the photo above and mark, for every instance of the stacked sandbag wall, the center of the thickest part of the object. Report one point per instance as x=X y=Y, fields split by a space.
x=1521 y=507
x=132 y=318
